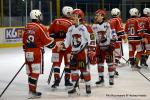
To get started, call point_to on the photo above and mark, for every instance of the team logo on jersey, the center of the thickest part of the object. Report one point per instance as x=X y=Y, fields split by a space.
x=101 y=35
x=76 y=40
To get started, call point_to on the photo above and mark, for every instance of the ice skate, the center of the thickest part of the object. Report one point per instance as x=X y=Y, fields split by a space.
x=56 y=84
x=74 y=91
x=111 y=82
x=100 y=83
x=137 y=68
x=143 y=61
x=117 y=61
x=68 y=84
x=116 y=74
x=34 y=95
x=88 y=90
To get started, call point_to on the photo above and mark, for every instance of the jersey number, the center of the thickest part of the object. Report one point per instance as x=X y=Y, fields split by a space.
x=30 y=39
x=132 y=31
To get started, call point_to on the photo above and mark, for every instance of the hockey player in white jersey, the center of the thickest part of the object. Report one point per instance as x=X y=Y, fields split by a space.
x=79 y=39
x=105 y=46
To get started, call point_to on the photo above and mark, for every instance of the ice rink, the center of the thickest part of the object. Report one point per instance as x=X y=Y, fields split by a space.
x=130 y=85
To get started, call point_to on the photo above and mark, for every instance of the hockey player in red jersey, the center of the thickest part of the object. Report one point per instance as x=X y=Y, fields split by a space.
x=134 y=32
x=34 y=39
x=105 y=46
x=116 y=26
x=58 y=30
x=144 y=23
x=79 y=39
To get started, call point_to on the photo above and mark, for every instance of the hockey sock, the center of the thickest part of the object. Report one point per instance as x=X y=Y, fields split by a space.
x=56 y=72
x=32 y=81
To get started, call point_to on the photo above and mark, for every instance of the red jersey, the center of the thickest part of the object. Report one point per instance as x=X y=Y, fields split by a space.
x=117 y=27
x=144 y=24
x=133 y=29
x=59 y=28
x=36 y=36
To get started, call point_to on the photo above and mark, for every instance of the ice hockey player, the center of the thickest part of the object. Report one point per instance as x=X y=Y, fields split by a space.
x=116 y=26
x=34 y=39
x=134 y=32
x=79 y=39
x=144 y=22
x=105 y=46
x=58 y=29
x=92 y=47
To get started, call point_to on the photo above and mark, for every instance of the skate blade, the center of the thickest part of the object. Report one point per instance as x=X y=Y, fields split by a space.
x=116 y=76
x=110 y=86
x=88 y=94
x=74 y=94
x=34 y=97
x=100 y=85
x=68 y=87
x=53 y=89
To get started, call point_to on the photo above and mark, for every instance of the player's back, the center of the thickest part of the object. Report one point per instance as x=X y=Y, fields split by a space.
x=59 y=28
x=35 y=35
x=116 y=23
x=132 y=27
x=144 y=24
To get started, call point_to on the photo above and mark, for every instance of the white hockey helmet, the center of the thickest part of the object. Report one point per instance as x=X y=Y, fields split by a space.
x=115 y=12
x=146 y=11
x=36 y=14
x=134 y=12
x=67 y=11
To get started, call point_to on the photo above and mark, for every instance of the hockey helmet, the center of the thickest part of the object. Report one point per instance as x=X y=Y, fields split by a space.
x=79 y=12
x=36 y=14
x=67 y=11
x=146 y=11
x=134 y=12
x=115 y=12
x=100 y=11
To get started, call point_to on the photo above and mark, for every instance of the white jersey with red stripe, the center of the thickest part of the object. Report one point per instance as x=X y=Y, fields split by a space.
x=78 y=37
x=102 y=31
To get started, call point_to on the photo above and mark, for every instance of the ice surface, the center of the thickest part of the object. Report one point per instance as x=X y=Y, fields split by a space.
x=130 y=85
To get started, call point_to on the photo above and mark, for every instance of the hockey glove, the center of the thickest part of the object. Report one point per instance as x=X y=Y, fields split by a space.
x=112 y=46
x=104 y=40
x=52 y=45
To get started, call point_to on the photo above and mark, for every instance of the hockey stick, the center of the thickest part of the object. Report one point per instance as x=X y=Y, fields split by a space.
x=62 y=74
x=12 y=80
x=144 y=76
x=127 y=61
x=50 y=75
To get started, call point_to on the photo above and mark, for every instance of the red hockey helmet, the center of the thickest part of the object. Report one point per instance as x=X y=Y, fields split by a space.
x=79 y=12
x=100 y=11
